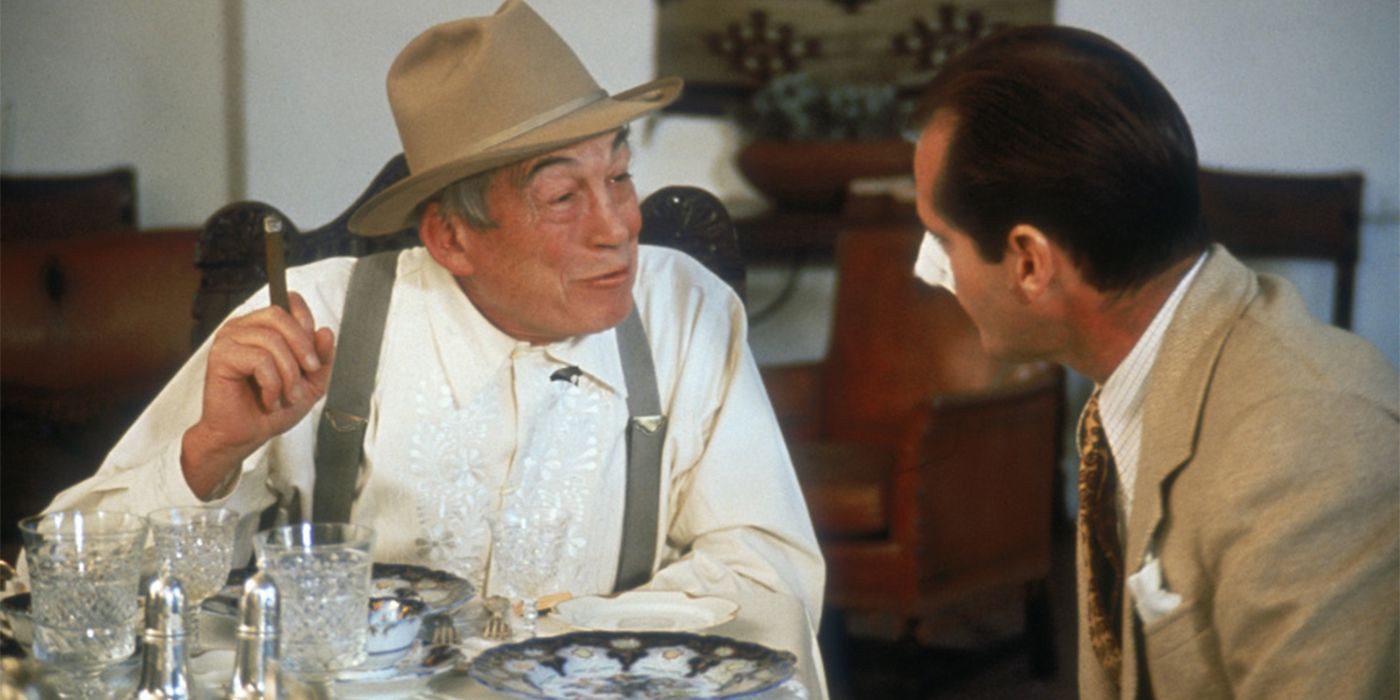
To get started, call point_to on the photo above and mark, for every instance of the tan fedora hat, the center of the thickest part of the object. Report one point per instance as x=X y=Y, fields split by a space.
x=483 y=92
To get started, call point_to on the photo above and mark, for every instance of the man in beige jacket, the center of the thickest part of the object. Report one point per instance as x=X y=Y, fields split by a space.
x=1240 y=479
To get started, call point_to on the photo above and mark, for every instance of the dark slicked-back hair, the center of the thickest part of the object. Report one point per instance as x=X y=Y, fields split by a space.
x=1064 y=130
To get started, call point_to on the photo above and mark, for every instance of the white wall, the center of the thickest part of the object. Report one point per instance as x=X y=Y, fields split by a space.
x=91 y=85
x=285 y=102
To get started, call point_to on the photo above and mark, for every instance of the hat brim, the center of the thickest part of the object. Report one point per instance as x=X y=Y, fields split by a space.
x=395 y=208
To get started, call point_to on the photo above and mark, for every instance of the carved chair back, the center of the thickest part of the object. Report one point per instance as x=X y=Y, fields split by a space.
x=1289 y=216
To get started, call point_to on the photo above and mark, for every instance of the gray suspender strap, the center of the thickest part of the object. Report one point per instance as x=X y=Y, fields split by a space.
x=341 y=433
x=646 y=432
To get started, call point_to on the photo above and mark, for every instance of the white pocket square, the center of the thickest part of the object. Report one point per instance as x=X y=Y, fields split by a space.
x=1151 y=599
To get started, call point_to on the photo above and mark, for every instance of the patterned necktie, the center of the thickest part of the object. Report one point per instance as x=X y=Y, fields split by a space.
x=1098 y=536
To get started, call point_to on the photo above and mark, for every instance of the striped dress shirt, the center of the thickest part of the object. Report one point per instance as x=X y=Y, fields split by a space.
x=1120 y=400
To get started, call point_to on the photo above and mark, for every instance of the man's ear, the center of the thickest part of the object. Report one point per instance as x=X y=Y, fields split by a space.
x=1035 y=261
x=447 y=239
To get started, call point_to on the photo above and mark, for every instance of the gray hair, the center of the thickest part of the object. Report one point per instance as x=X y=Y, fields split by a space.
x=467 y=198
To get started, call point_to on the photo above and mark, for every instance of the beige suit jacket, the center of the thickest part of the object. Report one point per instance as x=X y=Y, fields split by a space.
x=1269 y=489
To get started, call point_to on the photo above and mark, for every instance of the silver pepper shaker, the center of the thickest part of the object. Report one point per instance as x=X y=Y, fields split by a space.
x=255 y=665
x=165 y=661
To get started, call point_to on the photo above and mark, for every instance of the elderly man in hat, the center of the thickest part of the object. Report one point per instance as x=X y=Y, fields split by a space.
x=519 y=347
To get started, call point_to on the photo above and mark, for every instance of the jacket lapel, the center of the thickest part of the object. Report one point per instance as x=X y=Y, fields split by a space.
x=1176 y=391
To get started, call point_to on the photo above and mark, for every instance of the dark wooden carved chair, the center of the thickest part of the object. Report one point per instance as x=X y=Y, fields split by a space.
x=1318 y=217
x=231 y=258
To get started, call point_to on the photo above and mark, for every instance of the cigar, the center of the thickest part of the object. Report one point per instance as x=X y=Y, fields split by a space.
x=276 y=262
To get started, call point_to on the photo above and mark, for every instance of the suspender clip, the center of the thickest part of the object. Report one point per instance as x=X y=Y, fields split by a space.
x=342 y=422
x=649 y=424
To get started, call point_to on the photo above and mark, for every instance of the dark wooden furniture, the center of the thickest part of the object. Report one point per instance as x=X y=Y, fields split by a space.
x=1289 y=216
x=776 y=237
x=95 y=321
x=231 y=258
x=929 y=467
x=694 y=221
x=56 y=206
x=94 y=325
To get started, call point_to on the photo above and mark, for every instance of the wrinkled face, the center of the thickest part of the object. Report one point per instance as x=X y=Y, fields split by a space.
x=562 y=259
x=985 y=290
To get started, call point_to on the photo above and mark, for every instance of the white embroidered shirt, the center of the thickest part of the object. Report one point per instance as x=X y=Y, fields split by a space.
x=466 y=422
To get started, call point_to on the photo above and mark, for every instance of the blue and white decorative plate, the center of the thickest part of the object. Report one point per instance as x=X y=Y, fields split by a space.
x=438 y=590
x=632 y=666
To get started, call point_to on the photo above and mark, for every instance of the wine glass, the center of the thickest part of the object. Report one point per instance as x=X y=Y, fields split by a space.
x=195 y=543
x=527 y=543
x=85 y=570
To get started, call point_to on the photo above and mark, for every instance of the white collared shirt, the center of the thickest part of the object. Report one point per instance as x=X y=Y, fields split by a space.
x=466 y=422
x=1121 y=398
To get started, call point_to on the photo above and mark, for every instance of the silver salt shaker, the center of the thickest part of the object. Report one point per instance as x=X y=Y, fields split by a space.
x=165 y=661
x=255 y=665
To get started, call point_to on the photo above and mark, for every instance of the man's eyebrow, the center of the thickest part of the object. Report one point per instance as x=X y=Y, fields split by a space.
x=543 y=163
x=619 y=141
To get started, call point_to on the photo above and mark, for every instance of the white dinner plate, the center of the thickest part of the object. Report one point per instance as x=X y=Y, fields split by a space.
x=666 y=611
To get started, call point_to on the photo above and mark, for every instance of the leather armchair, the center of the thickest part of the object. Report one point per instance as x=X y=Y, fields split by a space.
x=929 y=467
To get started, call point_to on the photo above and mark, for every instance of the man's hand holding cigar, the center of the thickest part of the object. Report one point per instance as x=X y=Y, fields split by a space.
x=266 y=370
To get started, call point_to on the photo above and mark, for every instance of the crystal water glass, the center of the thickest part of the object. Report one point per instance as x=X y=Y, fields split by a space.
x=527 y=543
x=85 y=575
x=195 y=543
x=322 y=572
